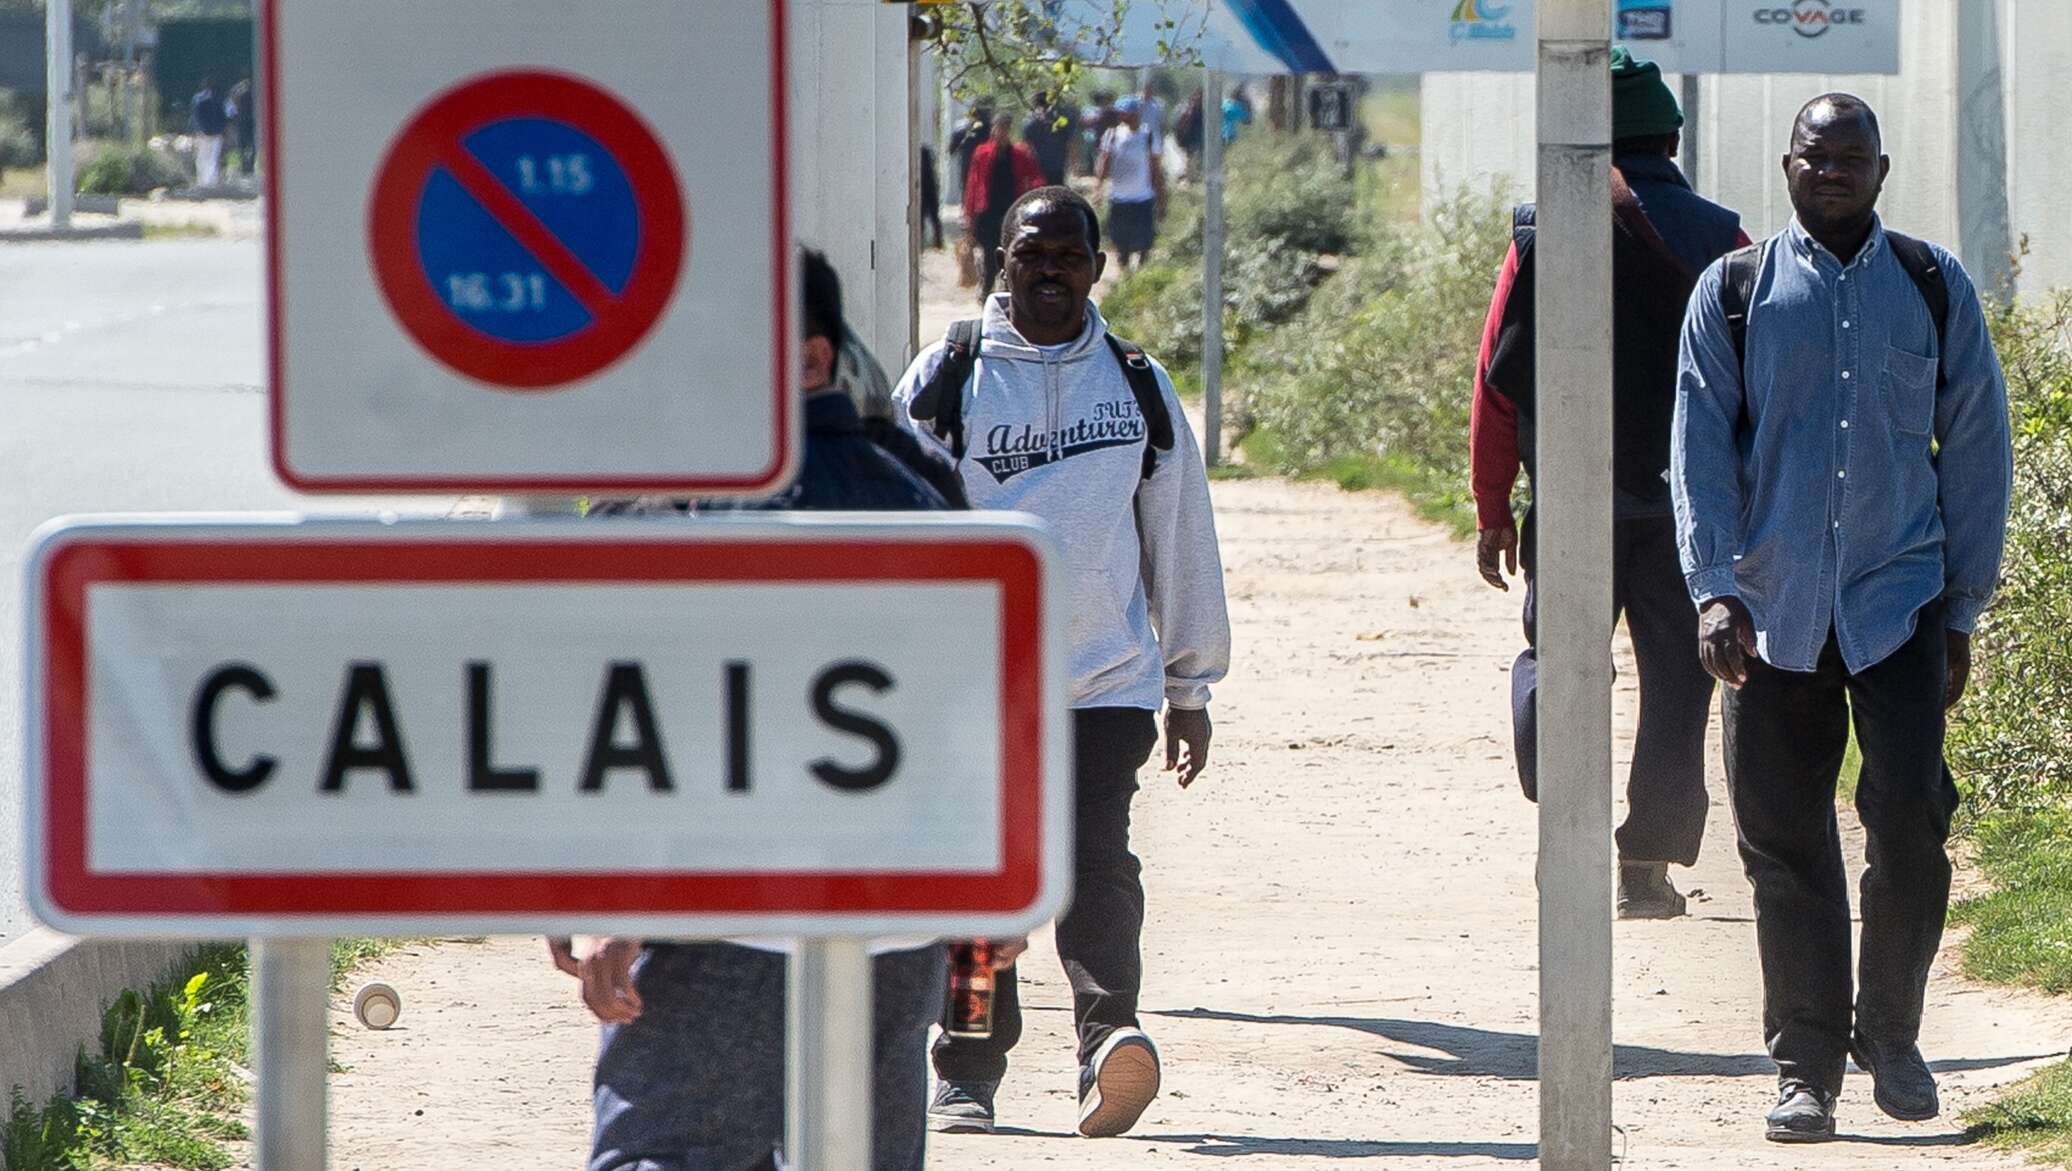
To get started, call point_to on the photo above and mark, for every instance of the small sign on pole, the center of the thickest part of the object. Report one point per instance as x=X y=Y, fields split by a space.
x=514 y=248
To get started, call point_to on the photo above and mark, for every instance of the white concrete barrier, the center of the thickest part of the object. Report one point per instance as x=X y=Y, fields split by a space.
x=53 y=990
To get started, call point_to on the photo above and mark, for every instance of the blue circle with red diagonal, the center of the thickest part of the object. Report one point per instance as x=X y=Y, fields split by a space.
x=528 y=229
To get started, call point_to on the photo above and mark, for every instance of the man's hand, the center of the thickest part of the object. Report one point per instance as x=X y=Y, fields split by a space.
x=1007 y=951
x=562 y=950
x=1496 y=553
x=606 y=969
x=1960 y=667
x=1726 y=640
x=1187 y=728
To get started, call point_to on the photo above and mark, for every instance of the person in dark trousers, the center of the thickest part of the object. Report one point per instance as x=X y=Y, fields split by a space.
x=1002 y=171
x=1842 y=472
x=964 y=143
x=1051 y=133
x=931 y=199
x=242 y=111
x=208 y=122
x=1665 y=234
x=1129 y=164
x=690 y=1071
x=1043 y=412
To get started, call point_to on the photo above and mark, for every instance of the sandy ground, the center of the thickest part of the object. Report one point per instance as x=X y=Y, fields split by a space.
x=1341 y=955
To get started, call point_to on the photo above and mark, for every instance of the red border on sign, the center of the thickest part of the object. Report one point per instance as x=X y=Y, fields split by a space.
x=782 y=314
x=436 y=139
x=70 y=570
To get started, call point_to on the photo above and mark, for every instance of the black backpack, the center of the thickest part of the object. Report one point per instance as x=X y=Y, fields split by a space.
x=1737 y=290
x=941 y=403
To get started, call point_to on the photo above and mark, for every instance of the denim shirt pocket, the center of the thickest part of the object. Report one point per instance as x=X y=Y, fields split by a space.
x=1910 y=391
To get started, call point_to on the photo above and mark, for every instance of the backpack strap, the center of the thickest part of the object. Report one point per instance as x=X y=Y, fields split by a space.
x=1151 y=404
x=1921 y=264
x=941 y=402
x=1524 y=226
x=1736 y=291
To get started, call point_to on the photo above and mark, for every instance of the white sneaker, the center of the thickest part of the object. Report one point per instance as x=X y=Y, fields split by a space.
x=1118 y=1085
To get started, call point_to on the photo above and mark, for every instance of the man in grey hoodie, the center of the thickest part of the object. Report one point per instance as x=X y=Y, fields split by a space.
x=1048 y=422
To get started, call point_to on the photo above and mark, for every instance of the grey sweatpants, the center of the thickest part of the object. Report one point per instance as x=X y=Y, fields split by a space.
x=697 y=1083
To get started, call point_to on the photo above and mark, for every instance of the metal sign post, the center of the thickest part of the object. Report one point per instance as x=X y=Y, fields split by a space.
x=1212 y=268
x=58 y=135
x=290 y=981
x=1574 y=557
x=828 y=1035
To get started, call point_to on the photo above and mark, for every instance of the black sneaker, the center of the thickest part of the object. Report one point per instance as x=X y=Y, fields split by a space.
x=1901 y=1083
x=1118 y=1085
x=962 y=1108
x=1645 y=892
x=1804 y=1114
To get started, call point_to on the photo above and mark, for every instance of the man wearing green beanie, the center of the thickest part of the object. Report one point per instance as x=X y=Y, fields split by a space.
x=1665 y=234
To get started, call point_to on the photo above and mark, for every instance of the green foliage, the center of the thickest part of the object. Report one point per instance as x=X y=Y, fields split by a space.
x=118 y=169
x=1381 y=368
x=2022 y=929
x=2036 y=1117
x=163 y=1088
x=1012 y=50
x=19 y=146
x=1291 y=216
x=2011 y=740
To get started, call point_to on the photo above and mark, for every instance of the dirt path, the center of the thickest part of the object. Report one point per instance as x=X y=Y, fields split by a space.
x=1341 y=954
x=1341 y=949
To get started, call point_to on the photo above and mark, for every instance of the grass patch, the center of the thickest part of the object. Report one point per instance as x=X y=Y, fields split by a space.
x=180 y=232
x=166 y=1086
x=2035 y=1116
x=2021 y=932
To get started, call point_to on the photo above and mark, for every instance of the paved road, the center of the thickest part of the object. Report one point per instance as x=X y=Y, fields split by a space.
x=130 y=380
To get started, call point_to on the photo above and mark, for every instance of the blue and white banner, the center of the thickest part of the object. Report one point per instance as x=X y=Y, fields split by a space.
x=1423 y=36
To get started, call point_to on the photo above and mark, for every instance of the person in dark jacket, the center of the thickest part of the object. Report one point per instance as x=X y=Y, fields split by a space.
x=690 y=1072
x=1665 y=234
x=208 y=121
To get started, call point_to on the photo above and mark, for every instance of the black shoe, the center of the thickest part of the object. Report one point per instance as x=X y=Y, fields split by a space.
x=1118 y=1085
x=1901 y=1084
x=962 y=1108
x=1645 y=892
x=1804 y=1114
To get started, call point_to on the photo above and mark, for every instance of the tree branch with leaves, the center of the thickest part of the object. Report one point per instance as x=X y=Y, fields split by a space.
x=1014 y=50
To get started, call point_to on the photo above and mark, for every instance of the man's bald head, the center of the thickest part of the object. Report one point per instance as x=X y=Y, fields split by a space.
x=1833 y=110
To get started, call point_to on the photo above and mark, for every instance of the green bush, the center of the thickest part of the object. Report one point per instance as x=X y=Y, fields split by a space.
x=1290 y=213
x=19 y=147
x=1381 y=366
x=116 y=169
x=2011 y=740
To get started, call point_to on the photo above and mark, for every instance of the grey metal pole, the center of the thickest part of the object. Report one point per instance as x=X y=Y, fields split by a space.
x=828 y=1019
x=1212 y=268
x=291 y=979
x=1574 y=490
x=58 y=138
x=1693 y=133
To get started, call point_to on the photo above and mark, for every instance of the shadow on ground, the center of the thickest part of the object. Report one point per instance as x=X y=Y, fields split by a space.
x=1336 y=1148
x=1472 y=1052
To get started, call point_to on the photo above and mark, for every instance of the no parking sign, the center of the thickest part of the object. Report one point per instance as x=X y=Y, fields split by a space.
x=527 y=246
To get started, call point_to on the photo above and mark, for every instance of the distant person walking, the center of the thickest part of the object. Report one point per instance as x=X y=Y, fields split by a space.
x=964 y=143
x=1136 y=185
x=1841 y=472
x=242 y=111
x=208 y=121
x=931 y=199
x=1664 y=235
x=1043 y=411
x=1002 y=171
x=1237 y=114
x=1051 y=133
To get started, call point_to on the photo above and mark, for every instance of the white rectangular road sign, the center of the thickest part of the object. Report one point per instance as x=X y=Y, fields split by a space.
x=529 y=246
x=721 y=726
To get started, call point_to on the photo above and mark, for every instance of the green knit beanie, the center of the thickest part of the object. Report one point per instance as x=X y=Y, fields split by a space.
x=1642 y=106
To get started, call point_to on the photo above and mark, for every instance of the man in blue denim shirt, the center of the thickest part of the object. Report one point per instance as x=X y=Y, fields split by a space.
x=1841 y=501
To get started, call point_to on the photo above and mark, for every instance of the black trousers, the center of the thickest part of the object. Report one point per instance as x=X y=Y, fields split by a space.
x=1666 y=802
x=987 y=234
x=1786 y=735
x=1098 y=936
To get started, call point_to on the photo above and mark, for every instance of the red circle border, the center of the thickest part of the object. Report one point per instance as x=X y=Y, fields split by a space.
x=442 y=126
